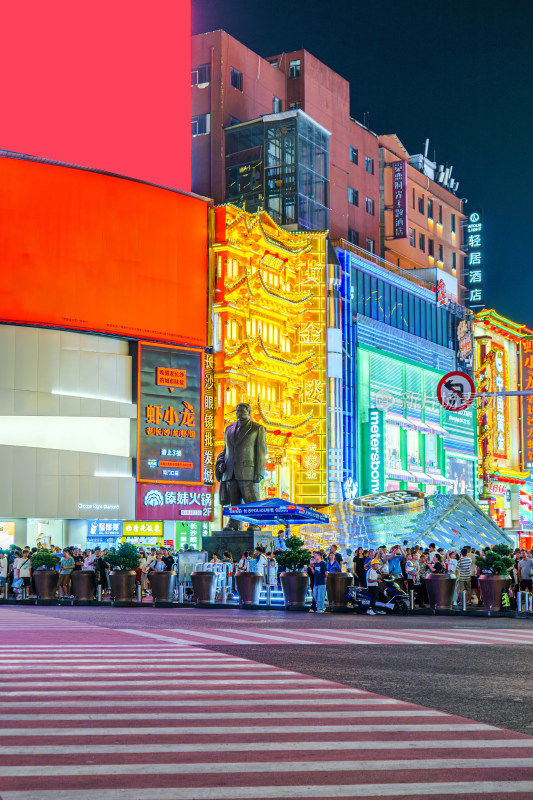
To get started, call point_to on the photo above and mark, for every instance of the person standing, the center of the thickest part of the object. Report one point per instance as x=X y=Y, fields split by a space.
x=100 y=569
x=22 y=569
x=349 y=562
x=372 y=582
x=319 y=583
x=525 y=572
x=311 y=576
x=332 y=564
x=3 y=570
x=281 y=544
x=66 y=566
x=168 y=560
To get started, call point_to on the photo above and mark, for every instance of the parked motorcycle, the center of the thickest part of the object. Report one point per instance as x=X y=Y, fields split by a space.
x=392 y=599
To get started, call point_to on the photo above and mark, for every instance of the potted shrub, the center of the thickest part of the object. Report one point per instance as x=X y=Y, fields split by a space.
x=494 y=575
x=293 y=581
x=44 y=573
x=123 y=574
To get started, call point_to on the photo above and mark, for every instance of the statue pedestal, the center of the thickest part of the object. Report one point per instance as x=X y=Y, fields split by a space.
x=236 y=542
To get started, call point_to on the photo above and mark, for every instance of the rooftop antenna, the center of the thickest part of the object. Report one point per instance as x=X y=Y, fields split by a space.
x=426 y=148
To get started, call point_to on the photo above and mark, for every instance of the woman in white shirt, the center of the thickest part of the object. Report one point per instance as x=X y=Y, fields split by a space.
x=451 y=562
x=22 y=568
x=89 y=559
x=3 y=569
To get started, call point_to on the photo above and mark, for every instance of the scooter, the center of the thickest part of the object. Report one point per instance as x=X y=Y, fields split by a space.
x=392 y=599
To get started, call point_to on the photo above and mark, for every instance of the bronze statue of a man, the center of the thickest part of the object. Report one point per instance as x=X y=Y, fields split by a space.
x=242 y=463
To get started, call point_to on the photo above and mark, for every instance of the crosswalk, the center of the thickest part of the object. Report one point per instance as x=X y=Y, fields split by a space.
x=137 y=716
x=323 y=636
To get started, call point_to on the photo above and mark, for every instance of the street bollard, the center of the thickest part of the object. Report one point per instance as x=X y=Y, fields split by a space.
x=180 y=593
x=465 y=597
x=268 y=591
x=139 y=593
x=412 y=599
x=529 y=598
x=224 y=593
x=99 y=593
x=23 y=592
x=6 y=591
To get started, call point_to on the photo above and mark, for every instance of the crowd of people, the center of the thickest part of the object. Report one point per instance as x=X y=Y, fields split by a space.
x=408 y=565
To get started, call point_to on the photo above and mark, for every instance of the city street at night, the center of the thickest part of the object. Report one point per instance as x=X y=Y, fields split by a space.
x=175 y=704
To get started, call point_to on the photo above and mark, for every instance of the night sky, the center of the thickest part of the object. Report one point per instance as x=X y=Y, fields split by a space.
x=456 y=72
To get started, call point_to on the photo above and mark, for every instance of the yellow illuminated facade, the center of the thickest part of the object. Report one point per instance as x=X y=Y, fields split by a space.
x=498 y=343
x=269 y=339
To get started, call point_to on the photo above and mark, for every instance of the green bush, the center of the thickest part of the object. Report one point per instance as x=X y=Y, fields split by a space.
x=495 y=563
x=295 y=556
x=124 y=559
x=44 y=559
x=502 y=550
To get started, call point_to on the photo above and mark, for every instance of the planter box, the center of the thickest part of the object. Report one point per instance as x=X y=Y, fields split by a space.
x=492 y=587
x=337 y=584
x=83 y=584
x=46 y=581
x=122 y=585
x=204 y=586
x=249 y=587
x=294 y=586
x=441 y=590
x=163 y=585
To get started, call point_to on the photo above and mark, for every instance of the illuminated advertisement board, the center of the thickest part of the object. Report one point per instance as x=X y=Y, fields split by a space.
x=500 y=411
x=102 y=84
x=100 y=253
x=526 y=371
x=170 y=415
x=473 y=238
x=399 y=199
x=374 y=472
x=156 y=501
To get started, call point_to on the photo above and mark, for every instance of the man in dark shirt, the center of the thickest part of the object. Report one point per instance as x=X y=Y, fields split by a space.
x=168 y=560
x=319 y=585
x=79 y=560
x=100 y=569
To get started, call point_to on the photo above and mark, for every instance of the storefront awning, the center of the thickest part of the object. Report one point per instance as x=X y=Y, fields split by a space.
x=421 y=477
x=440 y=480
x=399 y=474
x=397 y=419
x=436 y=428
x=419 y=425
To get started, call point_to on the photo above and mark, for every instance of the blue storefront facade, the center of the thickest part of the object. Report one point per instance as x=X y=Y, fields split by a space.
x=397 y=344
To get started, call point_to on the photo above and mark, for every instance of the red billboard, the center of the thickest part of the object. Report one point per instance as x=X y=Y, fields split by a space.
x=159 y=502
x=92 y=252
x=105 y=85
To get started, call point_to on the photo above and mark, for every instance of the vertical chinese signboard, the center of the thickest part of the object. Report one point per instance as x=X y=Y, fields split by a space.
x=526 y=372
x=209 y=420
x=399 y=199
x=473 y=245
x=500 y=412
x=170 y=415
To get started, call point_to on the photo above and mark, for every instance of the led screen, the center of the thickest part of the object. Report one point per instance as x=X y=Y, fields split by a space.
x=86 y=251
x=105 y=85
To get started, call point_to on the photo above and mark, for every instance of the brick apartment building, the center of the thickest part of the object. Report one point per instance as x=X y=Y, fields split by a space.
x=304 y=159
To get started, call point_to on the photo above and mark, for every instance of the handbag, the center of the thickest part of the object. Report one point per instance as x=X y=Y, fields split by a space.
x=17 y=583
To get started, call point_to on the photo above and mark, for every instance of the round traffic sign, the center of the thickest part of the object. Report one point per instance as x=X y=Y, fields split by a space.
x=456 y=391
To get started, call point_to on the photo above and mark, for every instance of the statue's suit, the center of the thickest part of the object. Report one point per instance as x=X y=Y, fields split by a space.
x=241 y=464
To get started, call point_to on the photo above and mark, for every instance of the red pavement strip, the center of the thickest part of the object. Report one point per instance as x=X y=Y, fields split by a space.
x=109 y=714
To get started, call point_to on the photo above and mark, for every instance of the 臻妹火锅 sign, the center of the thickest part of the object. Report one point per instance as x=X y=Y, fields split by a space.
x=170 y=415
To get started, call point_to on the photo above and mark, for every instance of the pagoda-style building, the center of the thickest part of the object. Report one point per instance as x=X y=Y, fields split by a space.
x=269 y=339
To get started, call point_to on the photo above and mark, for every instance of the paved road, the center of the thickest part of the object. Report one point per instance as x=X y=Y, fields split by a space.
x=99 y=707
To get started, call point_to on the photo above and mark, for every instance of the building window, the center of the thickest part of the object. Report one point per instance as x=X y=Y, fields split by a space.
x=453 y=223
x=201 y=75
x=411 y=237
x=236 y=79
x=273 y=62
x=354 y=155
x=454 y=261
x=440 y=215
x=369 y=164
x=422 y=241
x=353 y=196
x=353 y=236
x=431 y=248
x=276 y=104
x=295 y=104
x=421 y=205
x=441 y=254
x=295 y=68
x=430 y=208
x=234 y=121
x=369 y=203
x=201 y=124
x=370 y=245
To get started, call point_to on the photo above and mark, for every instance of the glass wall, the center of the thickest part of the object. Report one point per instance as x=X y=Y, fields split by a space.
x=282 y=166
x=377 y=299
